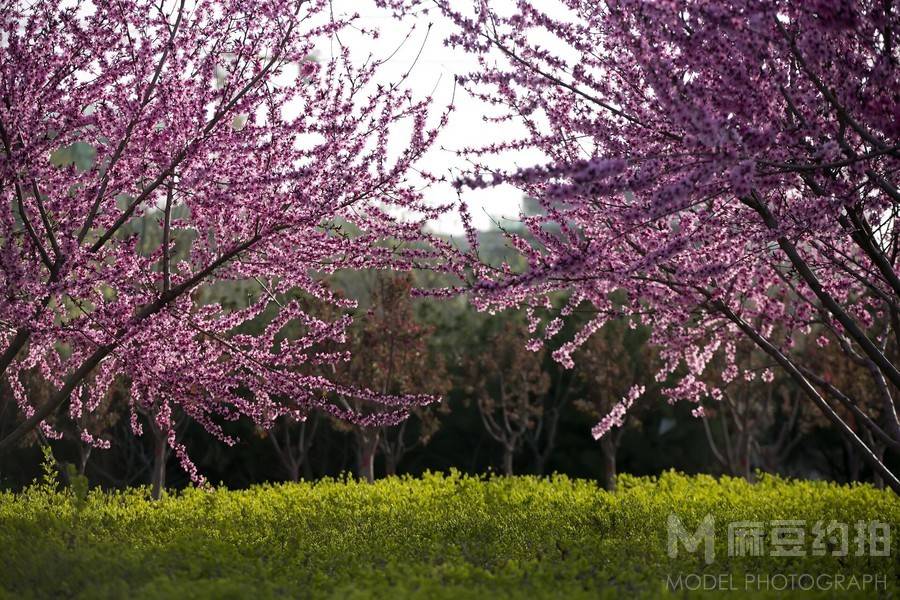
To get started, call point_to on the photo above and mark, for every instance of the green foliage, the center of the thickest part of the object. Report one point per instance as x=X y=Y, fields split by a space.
x=48 y=471
x=441 y=536
x=78 y=486
x=80 y=154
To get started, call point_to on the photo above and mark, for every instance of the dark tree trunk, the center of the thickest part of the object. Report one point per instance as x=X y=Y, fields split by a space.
x=539 y=464
x=160 y=455
x=390 y=465
x=84 y=453
x=508 y=461
x=852 y=461
x=879 y=450
x=746 y=467
x=294 y=452
x=294 y=472
x=367 y=444
x=608 y=450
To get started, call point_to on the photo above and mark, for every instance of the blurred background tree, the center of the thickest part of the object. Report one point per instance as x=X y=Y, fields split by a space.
x=614 y=360
x=508 y=386
x=390 y=353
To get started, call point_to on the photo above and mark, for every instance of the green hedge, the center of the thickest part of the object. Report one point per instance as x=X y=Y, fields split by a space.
x=447 y=536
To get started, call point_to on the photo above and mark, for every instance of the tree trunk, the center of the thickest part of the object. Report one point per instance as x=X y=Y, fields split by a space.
x=390 y=465
x=539 y=464
x=160 y=454
x=507 y=460
x=852 y=462
x=608 y=449
x=746 y=467
x=294 y=471
x=367 y=443
x=84 y=453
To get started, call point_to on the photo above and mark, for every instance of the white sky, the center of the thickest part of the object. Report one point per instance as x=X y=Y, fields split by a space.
x=434 y=72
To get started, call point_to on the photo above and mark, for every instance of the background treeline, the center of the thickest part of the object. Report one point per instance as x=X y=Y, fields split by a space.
x=504 y=409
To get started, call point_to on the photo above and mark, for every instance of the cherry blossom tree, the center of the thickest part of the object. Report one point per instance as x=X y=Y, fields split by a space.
x=731 y=167
x=210 y=119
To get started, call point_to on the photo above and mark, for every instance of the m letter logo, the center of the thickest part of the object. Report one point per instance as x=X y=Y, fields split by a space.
x=705 y=533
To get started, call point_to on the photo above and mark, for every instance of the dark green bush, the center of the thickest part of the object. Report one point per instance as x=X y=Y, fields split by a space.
x=445 y=536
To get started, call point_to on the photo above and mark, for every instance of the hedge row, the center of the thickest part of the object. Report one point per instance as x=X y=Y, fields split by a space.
x=448 y=536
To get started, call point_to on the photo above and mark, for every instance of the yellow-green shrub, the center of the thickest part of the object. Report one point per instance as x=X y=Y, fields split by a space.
x=439 y=536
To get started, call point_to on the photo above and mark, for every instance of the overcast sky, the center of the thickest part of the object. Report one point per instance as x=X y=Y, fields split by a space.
x=435 y=71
